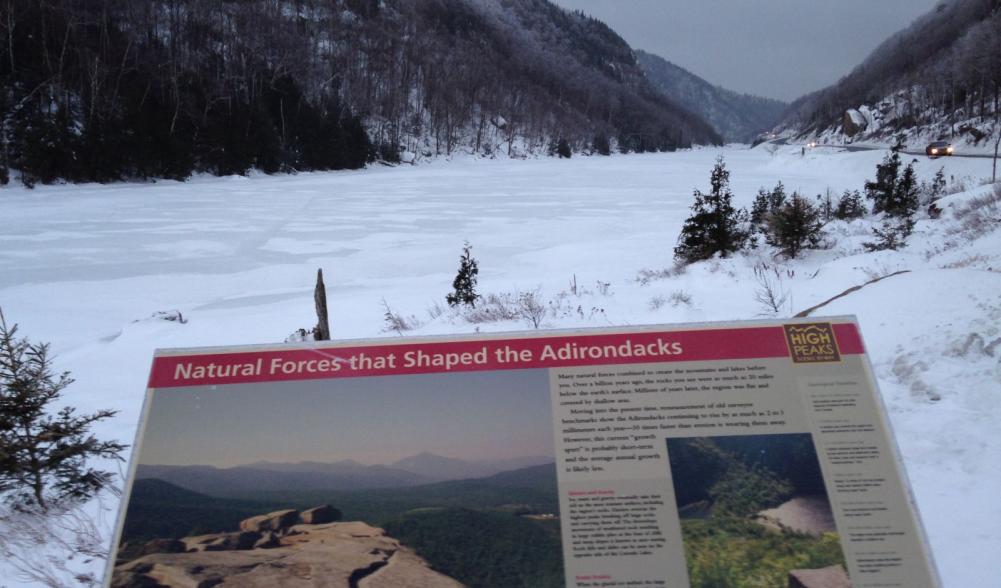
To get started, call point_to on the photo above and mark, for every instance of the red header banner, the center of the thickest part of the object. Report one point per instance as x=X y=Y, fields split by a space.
x=482 y=354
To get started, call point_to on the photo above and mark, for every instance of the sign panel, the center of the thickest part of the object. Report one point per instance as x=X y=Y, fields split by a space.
x=738 y=454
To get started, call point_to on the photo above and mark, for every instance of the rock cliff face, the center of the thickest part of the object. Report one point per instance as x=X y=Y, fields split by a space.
x=280 y=550
x=803 y=514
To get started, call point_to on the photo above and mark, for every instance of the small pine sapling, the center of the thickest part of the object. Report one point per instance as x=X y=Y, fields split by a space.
x=563 y=149
x=898 y=197
x=714 y=226
x=759 y=209
x=464 y=285
x=826 y=205
x=881 y=191
x=892 y=234
x=795 y=226
x=906 y=196
x=44 y=452
x=935 y=189
x=601 y=144
x=765 y=204
x=850 y=206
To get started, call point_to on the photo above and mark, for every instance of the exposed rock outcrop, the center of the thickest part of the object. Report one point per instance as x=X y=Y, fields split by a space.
x=320 y=515
x=273 y=521
x=345 y=555
x=854 y=123
x=268 y=541
x=222 y=541
x=163 y=546
x=803 y=514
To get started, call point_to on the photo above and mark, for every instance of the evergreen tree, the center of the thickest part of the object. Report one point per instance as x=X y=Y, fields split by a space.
x=850 y=206
x=795 y=226
x=714 y=226
x=563 y=149
x=881 y=191
x=601 y=145
x=760 y=209
x=906 y=197
x=826 y=205
x=43 y=456
x=765 y=204
x=464 y=285
x=896 y=195
x=934 y=189
x=892 y=234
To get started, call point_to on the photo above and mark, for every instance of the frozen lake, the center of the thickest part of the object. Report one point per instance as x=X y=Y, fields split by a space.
x=85 y=267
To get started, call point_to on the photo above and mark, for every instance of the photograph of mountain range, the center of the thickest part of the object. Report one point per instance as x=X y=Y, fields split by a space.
x=224 y=503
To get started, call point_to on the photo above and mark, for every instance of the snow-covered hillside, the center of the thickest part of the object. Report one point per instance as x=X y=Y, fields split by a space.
x=892 y=119
x=938 y=79
x=89 y=267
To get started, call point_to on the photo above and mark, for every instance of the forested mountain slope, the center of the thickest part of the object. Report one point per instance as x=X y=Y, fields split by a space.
x=122 y=89
x=739 y=118
x=939 y=78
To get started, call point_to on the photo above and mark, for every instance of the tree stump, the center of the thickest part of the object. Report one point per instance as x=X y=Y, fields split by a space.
x=322 y=330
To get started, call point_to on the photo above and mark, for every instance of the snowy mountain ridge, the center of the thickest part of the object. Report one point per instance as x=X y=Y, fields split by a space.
x=939 y=79
x=155 y=89
x=739 y=118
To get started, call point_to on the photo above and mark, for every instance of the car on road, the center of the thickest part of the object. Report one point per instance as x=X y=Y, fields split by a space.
x=939 y=149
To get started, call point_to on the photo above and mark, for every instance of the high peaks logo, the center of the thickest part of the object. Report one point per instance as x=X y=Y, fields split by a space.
x=812 y=343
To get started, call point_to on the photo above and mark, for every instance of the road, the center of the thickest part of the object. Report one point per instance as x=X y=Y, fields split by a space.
x=863 y=147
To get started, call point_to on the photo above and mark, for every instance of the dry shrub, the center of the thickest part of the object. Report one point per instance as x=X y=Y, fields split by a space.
x=646 y=276
x=493 y=308
x=396 y=322
x=679 y=297
x=968 y=261
x=980 y=215
x=508 y=306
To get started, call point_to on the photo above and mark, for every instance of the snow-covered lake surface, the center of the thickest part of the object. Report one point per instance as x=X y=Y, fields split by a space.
x=86 y=268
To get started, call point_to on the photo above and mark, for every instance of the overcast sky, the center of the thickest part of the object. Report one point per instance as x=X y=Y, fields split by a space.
x=776 y=48
x=471 y=416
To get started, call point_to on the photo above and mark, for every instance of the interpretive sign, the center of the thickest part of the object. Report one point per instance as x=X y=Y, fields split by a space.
x=738 y=454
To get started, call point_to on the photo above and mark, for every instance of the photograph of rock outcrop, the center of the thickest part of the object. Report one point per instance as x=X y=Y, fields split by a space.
x=755 y=513
x=431 y=481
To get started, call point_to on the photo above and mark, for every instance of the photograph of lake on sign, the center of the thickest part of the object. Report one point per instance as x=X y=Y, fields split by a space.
x=436 y=480
x=754 y=512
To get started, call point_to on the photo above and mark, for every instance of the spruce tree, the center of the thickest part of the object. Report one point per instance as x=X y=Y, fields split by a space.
x=850 y=206
x=825 y=204
x=563 y=149
x=881 y=191
x=765 y=204
x=44 y=454
x=760 y=210
x=892 y=234
x=795 y=226
x=906 y=196
x=714 y=226
x=899 y=203
x=601 y=145
x=464 y=285
x=936 y=188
